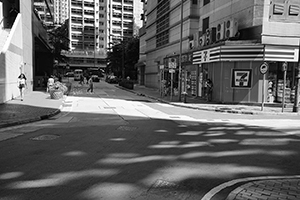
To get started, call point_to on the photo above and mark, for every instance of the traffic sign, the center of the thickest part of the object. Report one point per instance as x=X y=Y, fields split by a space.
x=264 y=68
x=171 y=71
x=284 y=66
x=172 y=63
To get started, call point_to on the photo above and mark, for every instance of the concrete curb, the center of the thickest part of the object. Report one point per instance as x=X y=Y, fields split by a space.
x=231 y=111
x=30 y=120
x=34 y=119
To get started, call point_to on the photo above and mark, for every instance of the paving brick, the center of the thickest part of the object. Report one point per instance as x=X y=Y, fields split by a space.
x=281 y=189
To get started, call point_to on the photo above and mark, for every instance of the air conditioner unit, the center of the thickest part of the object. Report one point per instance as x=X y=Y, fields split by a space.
x=210 y=36
x=202 y=39
x=231 y=28
x=191 y=44
x=220 y=31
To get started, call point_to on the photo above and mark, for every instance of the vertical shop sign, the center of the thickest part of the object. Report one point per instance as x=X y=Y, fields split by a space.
x=241 y=78
x=205 y=56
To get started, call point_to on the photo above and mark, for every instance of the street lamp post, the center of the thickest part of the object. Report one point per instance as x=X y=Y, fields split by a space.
x=180 y=54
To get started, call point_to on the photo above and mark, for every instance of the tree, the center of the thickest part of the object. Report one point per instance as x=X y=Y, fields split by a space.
x=128 y=51
x=58 y=39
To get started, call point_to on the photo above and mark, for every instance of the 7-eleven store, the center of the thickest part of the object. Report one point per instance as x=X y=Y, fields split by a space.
x=234 y=69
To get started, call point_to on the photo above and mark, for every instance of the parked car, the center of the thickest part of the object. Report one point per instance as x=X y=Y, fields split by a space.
x=69 y=74
x=112 y=79
x=95 y=78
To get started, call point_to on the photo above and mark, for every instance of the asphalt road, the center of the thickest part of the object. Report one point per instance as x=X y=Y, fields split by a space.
x=113 y=144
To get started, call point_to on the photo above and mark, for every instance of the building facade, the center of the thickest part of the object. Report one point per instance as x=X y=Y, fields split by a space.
x=61 y=11
x=95 y=26
x=226 y=42
x=22 y=41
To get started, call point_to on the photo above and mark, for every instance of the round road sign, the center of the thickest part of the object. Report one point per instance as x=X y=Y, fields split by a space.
x=264 y=68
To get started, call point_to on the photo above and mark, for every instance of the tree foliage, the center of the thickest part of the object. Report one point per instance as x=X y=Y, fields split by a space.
x=58 y=39
x=125 y=53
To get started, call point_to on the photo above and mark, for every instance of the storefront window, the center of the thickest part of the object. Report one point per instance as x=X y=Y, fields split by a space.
x=276 y=83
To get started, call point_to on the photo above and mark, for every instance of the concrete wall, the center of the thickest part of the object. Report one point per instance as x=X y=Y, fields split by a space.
x=11 y=59
x=248 y=12
x=26 y=11
x=221 y=74
x=16 y=54
x=280 y=32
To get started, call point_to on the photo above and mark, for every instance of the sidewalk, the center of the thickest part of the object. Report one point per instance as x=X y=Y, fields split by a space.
x=37 y=105
x=270 y=189
x=198 y=103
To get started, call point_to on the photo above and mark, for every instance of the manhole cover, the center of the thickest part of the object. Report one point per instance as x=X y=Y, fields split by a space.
x=45 y=137
x=127 y=128
x=168 y=190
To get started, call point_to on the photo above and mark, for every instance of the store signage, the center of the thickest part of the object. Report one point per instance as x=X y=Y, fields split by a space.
x=284 y=66
x=205 y=56
x=264 y=68
x=171 y=71
x=172 y=63
x=241 y=78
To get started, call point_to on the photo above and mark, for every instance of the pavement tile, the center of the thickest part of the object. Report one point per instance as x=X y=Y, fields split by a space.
x=261 y=190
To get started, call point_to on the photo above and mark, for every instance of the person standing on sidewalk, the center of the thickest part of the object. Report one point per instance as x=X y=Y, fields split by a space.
x=22 y=84
x=91 y=84
x=209 y=89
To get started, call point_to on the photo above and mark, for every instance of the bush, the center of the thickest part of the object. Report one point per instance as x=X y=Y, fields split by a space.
x=129 y=84
x=59 y=87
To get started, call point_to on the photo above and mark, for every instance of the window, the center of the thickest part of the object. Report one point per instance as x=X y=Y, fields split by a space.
x=205 y=24
x=287 y=11
x=195 y=2
x=206 y=2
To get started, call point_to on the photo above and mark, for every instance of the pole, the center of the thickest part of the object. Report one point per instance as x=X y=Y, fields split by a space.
x=283 y=95
x=180 y=54
x=296 y=100
x=263 y=93
x=171 y=96
x=123 y=65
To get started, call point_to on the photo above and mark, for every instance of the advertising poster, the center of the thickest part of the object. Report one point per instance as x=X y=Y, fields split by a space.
x=241 y=78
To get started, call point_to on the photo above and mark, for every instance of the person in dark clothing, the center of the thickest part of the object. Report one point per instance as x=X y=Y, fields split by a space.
x=209 y=89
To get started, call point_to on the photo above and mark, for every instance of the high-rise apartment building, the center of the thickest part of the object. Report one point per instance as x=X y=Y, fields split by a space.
x=94 y=26
x=45 y=10
x=61 y=11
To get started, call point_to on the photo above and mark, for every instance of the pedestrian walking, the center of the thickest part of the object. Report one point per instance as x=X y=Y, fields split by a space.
x=91 y=84
x=22 y=84
x=81 y=80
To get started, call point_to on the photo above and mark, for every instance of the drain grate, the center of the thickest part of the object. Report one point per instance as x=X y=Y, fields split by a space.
x=45 y=137
x=126 y=128
x=169 y=190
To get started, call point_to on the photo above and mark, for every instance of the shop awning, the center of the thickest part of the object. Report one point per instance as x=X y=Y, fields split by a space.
x=247 y=53
x=281 y=53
